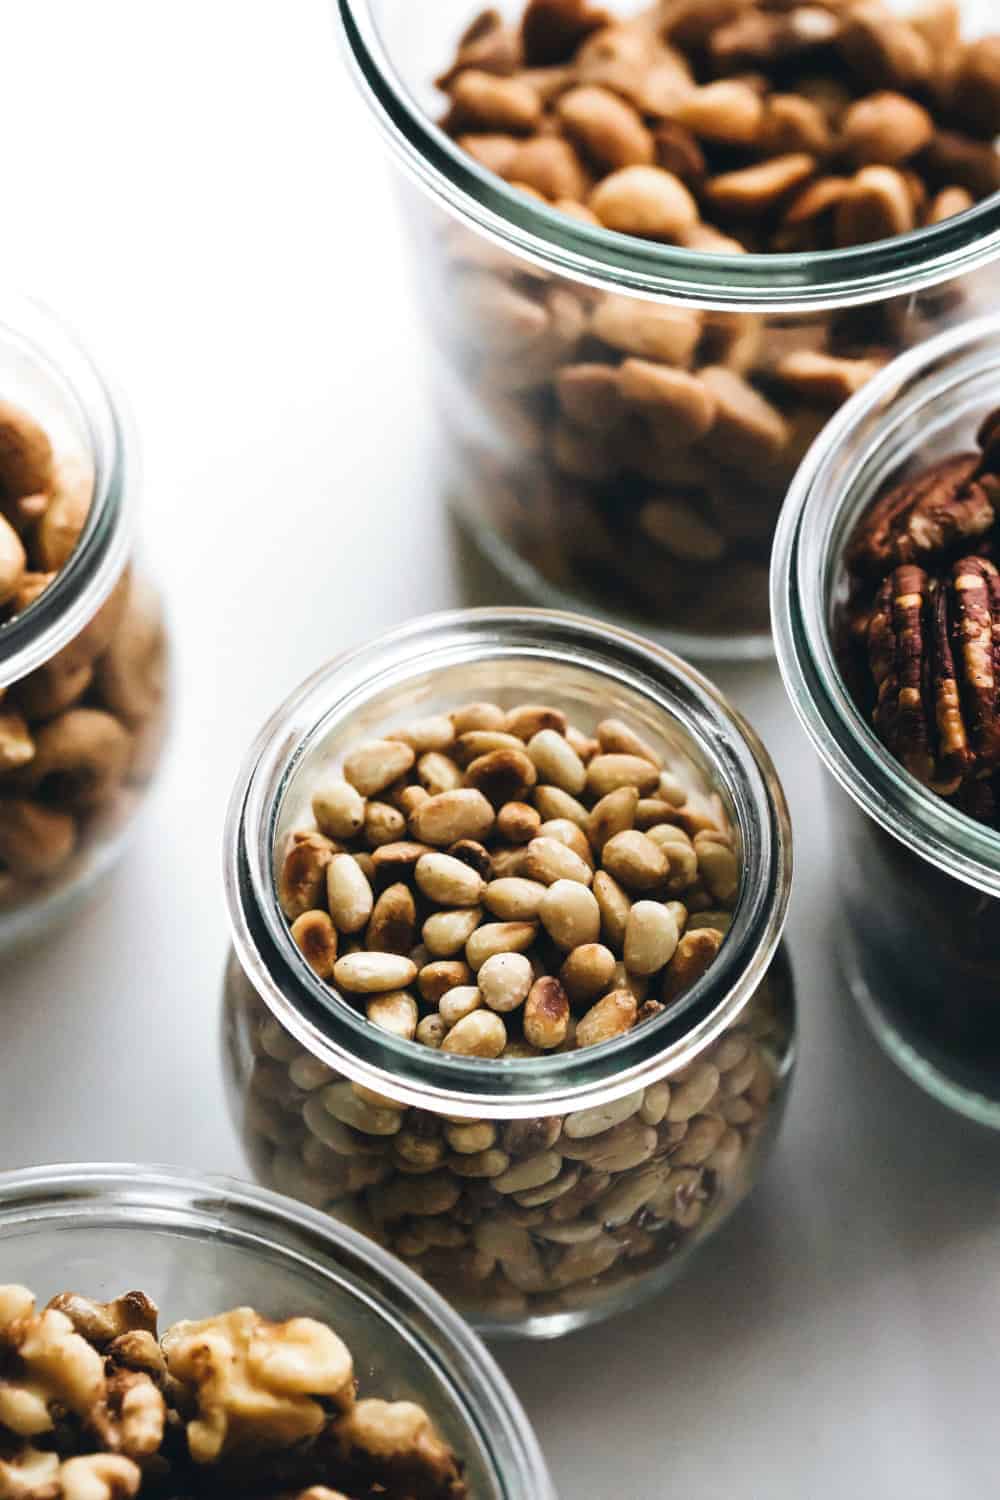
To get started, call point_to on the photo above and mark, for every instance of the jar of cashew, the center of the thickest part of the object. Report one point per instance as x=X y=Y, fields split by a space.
x=82 y=641
x=506 y=890
x=659 y=245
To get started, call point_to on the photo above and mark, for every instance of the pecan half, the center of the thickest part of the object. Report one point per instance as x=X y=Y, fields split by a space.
x=948 y=505
x=900 y=659
x=975 y=590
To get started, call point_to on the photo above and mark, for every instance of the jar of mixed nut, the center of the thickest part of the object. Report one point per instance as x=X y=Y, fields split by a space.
x=82 y=643
x=506 y=891
x=658 y=250
x=887 y=614
x=124 y=1290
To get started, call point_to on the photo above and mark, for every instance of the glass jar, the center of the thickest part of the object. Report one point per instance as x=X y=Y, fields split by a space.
x=199 y=1245
x=919 y=881
x=582 y=503
x=629 y=1154
x=82 y=644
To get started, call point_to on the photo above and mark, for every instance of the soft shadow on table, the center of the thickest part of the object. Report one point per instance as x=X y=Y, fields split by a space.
x=861 y=1154
x=479 y=582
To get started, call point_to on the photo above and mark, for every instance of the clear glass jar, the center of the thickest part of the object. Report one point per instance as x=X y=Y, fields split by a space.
x=919 y=881
x=645 y=1143
x=199 y=1245
x=577 y=508
x=83 y=661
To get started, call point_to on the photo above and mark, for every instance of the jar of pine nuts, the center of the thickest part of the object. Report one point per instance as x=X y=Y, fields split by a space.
x=83 y=676
x=506 y=891
x=659 y=246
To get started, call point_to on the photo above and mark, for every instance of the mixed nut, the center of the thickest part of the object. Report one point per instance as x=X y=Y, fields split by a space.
x=519 y=1219
x=921 y=629
x=642 y=450
x=495 y=882
x=82 y=727
x=94 y=1405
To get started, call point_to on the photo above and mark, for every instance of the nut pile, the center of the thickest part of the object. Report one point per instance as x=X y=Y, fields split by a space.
x=77 y=730
x=520 y=1218
x=642 y=450
x=759 y=125
x=94 y=1406
x=497 y=883
x=922 y=626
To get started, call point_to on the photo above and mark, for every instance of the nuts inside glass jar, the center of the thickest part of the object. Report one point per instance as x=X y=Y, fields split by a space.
x=919 y=632
x=499 y=883
x=636 y=453
x=95 y=1405
x=519 y=1220
x=81 y=731
x=734 y=126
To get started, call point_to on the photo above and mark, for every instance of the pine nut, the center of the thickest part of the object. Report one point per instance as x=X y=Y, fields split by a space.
x=348 y=894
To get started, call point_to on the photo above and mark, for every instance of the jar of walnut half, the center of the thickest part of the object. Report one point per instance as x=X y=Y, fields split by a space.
x=902 y=705
x=535 y=1040
x=660 y=243
x=83 y=652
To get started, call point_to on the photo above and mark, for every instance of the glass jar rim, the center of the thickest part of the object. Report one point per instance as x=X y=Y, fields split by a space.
x=787 y=283
x=79 y=588
x=63 y=1192
x=801 y=561
x=336 y=1032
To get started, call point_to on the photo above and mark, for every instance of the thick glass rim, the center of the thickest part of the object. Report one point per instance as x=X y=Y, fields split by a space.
x=331 y=1028
x=772 y=283
x=222 y=1205
x=80 y=588
x=858 y=446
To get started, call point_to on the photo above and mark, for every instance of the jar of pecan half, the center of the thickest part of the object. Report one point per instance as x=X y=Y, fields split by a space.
x=887 y=610
x=536 y=1041
x=658 y=248
x=82 y=642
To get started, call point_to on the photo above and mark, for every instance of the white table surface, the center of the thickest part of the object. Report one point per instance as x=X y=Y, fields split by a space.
x=195 y=186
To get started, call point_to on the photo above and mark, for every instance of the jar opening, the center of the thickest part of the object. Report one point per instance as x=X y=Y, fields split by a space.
x=929 y=399
x=46 y=370
x=574 y=662
x=772 y=283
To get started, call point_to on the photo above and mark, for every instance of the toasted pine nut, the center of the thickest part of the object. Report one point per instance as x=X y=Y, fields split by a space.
x=339 y=809
x=481 y=1034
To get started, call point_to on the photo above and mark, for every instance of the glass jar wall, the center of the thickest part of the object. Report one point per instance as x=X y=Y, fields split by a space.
x=538 y=1192
x=82 y=641
x=578 y=451
x=919 y=881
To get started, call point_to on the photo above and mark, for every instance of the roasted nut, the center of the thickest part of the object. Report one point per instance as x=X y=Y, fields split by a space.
x=316 y=936
x=450 y=816
x=479 y=1034
x=606 y=128
x=80 y=758
x=448 y=881
x=339 y=809
x=372 y=973
x=517 y=822
x=514 y=898
x=348 y=893
x=645 y=201
x=610 y=1017
x=395 y=1012
x=650 y=330
x=255 y=1384
x=376 y=765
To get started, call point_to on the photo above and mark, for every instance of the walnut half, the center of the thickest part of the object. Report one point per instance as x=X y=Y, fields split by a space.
x=255 y=1384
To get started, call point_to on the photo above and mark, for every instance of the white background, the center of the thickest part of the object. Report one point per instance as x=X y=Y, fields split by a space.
x=195 y=186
